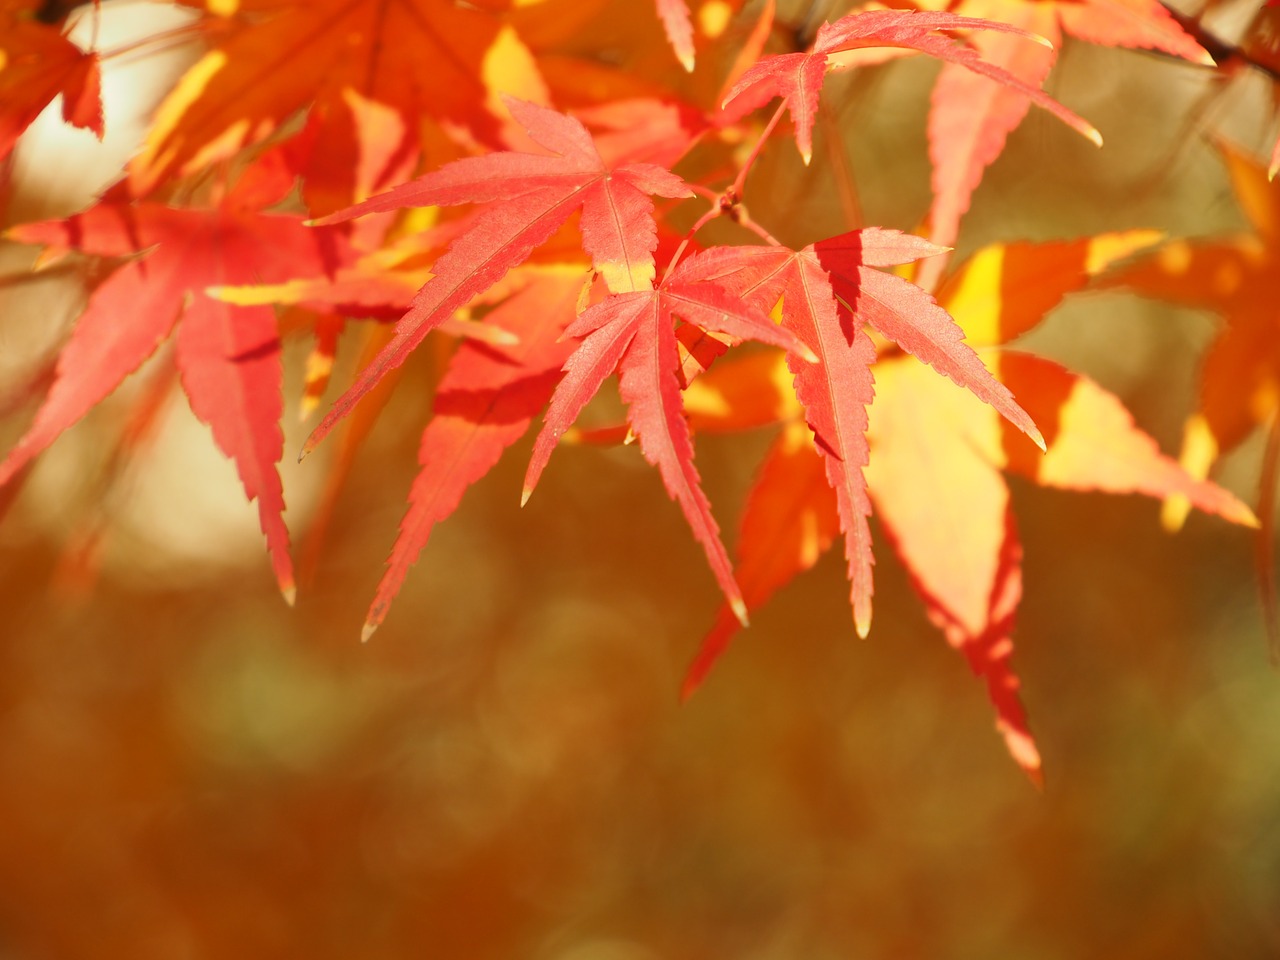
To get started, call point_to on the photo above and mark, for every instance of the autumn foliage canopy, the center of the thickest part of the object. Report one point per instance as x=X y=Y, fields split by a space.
x=375 y=174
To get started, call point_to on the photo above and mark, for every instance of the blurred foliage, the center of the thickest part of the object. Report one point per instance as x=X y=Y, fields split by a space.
x=505 y=772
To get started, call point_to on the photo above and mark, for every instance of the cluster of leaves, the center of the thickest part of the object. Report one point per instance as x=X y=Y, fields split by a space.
x=264 y=201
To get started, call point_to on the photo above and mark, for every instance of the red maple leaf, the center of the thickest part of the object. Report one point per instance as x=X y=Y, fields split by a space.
x=529 y=195
x=836 y=392
x=484 y=403
x=798 y=77
x=634 y=334
x=228 y=356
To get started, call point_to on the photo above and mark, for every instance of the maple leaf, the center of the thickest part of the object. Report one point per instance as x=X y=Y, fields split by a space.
x=633 y=333
x=836 y=392
x=538 y=193
x=380 y=284
x=270 y=58
x=228 y=357
x=37 y=63
x=970 y=117
x=483 y=404
x=1235 y=277
x=955 y=536
x=798 y=77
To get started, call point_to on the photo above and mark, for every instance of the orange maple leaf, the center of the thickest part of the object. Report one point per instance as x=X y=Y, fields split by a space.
x=428 y=59
x=1237 y=277
x=38 y=63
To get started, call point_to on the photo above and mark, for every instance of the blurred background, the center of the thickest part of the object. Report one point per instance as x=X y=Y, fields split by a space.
x=189 y=769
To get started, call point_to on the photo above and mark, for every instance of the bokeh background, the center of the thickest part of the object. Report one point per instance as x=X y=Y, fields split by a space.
x=190 y=769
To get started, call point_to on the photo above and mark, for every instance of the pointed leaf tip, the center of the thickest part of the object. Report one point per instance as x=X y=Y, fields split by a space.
x=806 y=156
x=739 y=610
x=311 y=443
x=1093 y=134
x=1023 y=750
x=525 y=494
x=1037 y=437
x=368 y=631
x=808 y=355
x=686 y=61
x=290 y=593
x=688 y=689
x=862 y=623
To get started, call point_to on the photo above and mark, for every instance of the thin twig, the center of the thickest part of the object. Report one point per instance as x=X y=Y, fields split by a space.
x=739 y=184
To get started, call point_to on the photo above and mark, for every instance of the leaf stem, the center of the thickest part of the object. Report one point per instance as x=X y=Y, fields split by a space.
x=743 y=219
x=717 y=208
x=729 y=202
x=740 y=183
x=723 y=205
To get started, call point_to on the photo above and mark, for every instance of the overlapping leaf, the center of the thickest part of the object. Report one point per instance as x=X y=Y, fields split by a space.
x=431 y=59
x=37 y=64
x=836 y=392
x=798 y=77
x=484 y=403
x=1240 y=376
x=971 y=117
x=936 y=453
x=228 y=357
x=529 y=196
x=1235 y=277
x=634 y=334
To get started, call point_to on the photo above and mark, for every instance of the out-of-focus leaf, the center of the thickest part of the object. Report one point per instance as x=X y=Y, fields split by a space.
x=228 y=356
